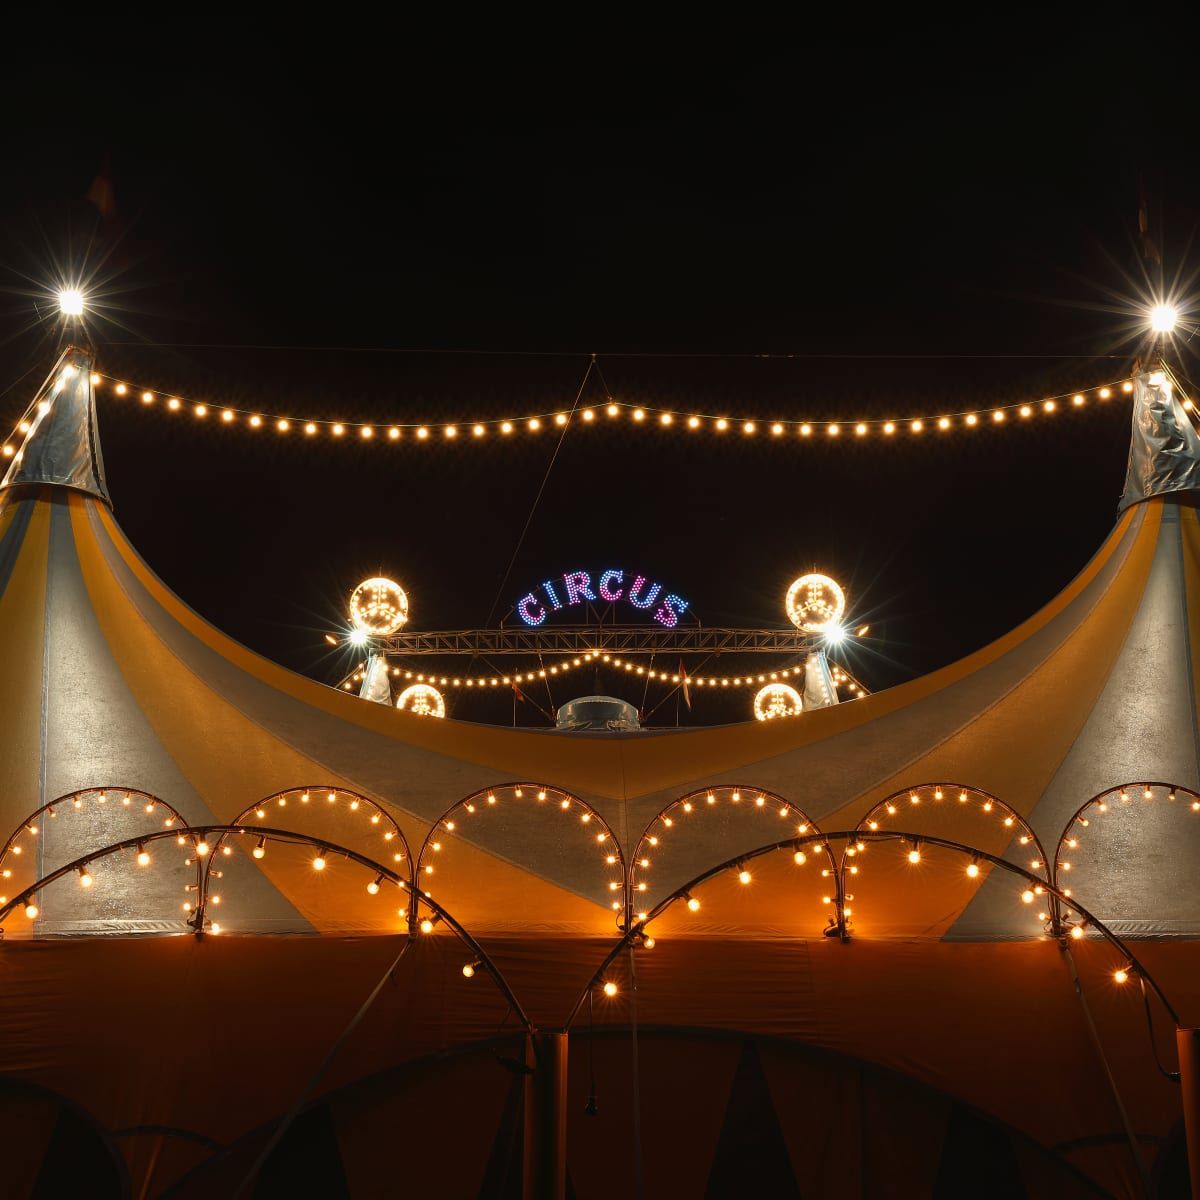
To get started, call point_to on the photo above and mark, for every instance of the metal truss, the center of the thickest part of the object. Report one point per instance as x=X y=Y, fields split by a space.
x=608 y=639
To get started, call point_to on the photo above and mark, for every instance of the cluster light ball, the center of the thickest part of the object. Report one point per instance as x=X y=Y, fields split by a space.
x=422 y=700
x=777 y=700
x=378 y=607
x=814 y=603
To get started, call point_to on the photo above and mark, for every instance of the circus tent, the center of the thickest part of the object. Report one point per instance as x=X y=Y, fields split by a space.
x=948 y=1016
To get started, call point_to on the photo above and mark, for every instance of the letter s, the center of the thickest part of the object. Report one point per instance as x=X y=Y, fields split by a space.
x=670 y=610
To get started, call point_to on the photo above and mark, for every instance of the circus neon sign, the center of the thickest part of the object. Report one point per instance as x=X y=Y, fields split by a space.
x=575 y=588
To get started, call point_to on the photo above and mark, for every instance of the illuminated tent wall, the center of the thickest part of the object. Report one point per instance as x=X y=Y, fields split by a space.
x=107 y=680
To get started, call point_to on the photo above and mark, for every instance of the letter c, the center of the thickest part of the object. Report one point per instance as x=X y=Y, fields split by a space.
x=524 y=610
x=605 y=591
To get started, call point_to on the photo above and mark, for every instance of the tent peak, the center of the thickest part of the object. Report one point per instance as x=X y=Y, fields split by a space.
x=62 y=445
x=1164 y=446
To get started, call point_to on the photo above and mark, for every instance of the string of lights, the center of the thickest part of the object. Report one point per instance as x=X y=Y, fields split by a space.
x=612 y=411
x=841 y=676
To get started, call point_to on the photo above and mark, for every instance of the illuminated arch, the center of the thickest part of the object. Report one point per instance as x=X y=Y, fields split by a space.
x=324 y=796
x=904 y=803
x=750 y=798
x=209 y=836
x=116 y=799
x=543 y=795
x=1100 y=803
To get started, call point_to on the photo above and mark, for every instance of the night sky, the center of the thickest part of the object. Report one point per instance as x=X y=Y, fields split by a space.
x=898 y=223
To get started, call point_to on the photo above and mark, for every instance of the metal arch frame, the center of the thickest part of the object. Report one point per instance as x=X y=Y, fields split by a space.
x=67 y=797
x=731 y=787
x=633 y=936
x=289 y=837
x=1100 y=796
x=514 y=786
x=206 y=873
x=1021 y=820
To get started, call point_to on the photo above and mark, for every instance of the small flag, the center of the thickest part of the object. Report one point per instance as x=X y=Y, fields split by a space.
x=687 y=691
x=518 y=693
x=1149 y=249
x=102 y=195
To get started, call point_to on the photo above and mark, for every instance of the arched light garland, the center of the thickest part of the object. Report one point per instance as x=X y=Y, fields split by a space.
x=109 y=799
x=325 y=852
x=599 y=832
x=1128 y=794
x=841 y=676
x=666 y=420
x=322 y=797
x=661 y=827
x=904 y=804
x=637 y=934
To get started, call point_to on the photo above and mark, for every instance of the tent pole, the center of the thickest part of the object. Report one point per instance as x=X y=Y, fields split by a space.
x=1188 y=1042
x=545 y=1144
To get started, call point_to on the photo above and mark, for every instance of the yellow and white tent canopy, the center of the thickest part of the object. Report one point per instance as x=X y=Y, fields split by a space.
x=108 y=680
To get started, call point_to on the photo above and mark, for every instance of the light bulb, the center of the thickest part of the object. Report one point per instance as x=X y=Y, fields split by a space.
x=469 y=970
x=914 y=856
x=201 y=847
x=31 y=910
x=693 y=904
x=610 y=988
x=744 y=876
x=70 y=302
x=319 y=861
x=1163 y=319
x=85 y=878
x=261 y=849
x=972 y=870
x=1121 y=975
x=373 y=886
x=143 y=858
x=1027 y=896
x=427 y=926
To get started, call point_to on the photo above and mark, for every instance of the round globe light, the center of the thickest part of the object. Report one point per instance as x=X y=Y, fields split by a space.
x=814 y=603
x=421 y=700
x=777 y=700
x=378 y=607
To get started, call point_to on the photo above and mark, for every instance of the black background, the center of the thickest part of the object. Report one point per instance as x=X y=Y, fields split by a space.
x=911 y=219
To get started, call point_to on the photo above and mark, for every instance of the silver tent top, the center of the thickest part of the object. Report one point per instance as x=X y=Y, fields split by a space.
x=1164 y=447
x=62 y=445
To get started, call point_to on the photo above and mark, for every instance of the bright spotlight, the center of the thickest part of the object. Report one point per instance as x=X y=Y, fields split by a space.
x=70 y=302
x=358 y=637
x=835 y=633
x=1164 y=318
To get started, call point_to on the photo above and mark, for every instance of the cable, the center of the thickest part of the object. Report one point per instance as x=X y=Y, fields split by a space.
x=467 y=352
x=537 y=499
x=311 y=1085
x=1173 y=1076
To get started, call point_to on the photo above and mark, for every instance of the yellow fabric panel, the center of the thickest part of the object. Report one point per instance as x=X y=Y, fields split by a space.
x=201 y=731
x=22 y=643
x=628 y=768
